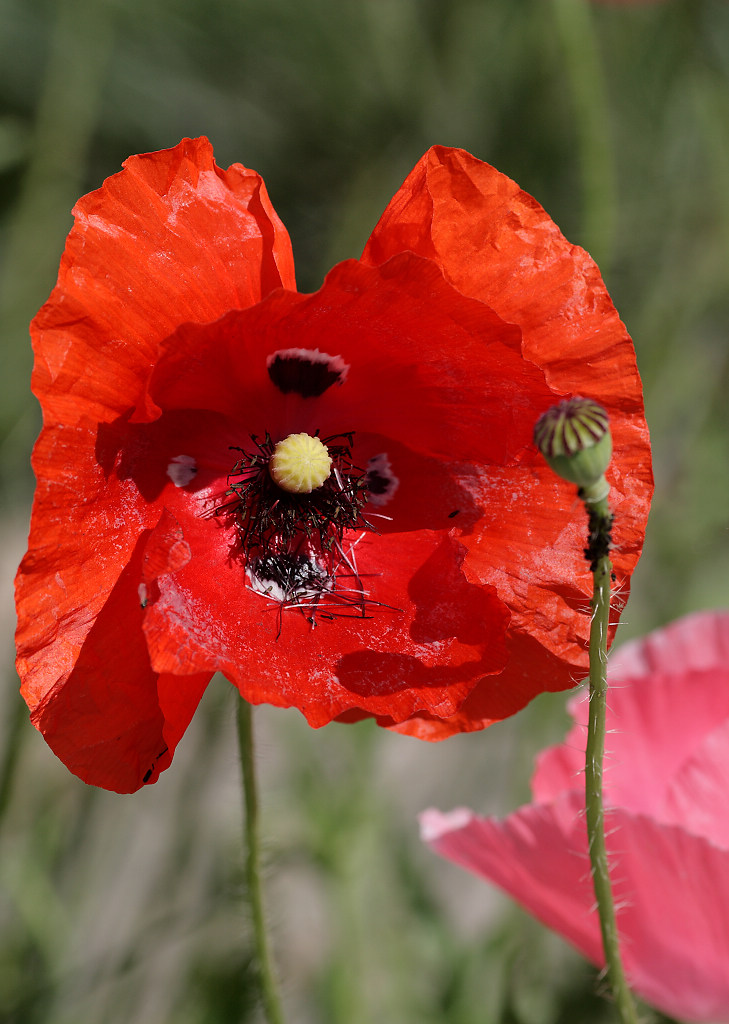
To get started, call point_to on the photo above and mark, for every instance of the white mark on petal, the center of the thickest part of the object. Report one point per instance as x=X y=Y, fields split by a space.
x=181 y=470
x=381 y=481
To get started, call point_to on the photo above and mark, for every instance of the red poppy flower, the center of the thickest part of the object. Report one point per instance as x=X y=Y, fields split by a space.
x=433 y=581
x=666 y=791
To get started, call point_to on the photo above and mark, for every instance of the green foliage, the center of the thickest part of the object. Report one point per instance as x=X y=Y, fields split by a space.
x=617 y=119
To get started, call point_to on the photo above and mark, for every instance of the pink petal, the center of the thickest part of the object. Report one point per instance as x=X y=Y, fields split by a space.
x=537 y=855
x=697 y=794
x=672 y=889
x=668 y=692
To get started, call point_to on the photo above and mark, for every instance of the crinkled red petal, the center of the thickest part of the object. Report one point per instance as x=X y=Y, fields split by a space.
x=531 y=668
x=428 y=634
x=82 y=659
x=172 y=237
x=111 y=719
x=169 y=238
x=495 y=243
x=437 y=371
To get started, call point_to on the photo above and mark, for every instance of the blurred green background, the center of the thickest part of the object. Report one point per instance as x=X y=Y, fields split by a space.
x=616 y=117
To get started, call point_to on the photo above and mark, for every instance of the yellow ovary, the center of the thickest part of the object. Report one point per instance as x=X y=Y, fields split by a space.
x=300 y=463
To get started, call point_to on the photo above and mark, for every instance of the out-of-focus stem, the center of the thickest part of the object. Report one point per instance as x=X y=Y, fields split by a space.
x=71 y=87
x=269 y=991
x=583 y=68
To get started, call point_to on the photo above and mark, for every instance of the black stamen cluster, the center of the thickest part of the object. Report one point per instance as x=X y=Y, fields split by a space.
x=271 y=520
x=291 y=573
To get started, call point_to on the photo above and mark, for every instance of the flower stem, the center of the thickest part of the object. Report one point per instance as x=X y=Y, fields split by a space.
x=266 y=979
x=601 y=567
x=15 y=733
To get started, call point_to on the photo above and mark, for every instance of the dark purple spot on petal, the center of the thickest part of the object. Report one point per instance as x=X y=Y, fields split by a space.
x=306 y=371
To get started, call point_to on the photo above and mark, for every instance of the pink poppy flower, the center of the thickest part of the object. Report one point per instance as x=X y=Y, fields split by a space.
x=666 y=791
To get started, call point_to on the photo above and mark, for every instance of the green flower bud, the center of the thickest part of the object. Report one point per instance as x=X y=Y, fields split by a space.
x=574 y=438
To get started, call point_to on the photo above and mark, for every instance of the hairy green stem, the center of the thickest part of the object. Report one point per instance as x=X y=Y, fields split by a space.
x=600 y=524
x=269 y=991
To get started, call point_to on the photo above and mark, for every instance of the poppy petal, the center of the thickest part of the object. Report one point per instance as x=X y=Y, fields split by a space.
x=348 y=660
x=668 y=841
x=497 y=697
x=426 y=367
x=495 y=243
x=676 y=679
x=171 y=238
x=113 y=721
x=675 y=950
x=699 y=787
x=139 y=257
